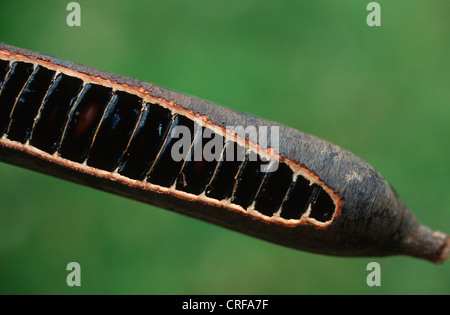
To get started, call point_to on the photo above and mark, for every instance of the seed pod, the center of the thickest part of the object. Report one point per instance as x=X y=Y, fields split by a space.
x=121 y=135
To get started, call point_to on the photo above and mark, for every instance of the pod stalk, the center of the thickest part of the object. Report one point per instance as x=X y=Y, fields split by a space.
x=420 y=241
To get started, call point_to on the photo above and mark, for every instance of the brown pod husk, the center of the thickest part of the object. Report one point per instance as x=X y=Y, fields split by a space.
x=369 y=218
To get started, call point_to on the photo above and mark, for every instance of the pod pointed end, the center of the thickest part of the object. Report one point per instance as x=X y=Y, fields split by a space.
x=420 y=241
x=444 y=251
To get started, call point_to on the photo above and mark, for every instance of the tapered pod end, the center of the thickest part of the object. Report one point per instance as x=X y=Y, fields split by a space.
x=420 y=241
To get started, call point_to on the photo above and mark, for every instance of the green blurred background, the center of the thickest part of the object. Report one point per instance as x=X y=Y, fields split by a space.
x=380 y=92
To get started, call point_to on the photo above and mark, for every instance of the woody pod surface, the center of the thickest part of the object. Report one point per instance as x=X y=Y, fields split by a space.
x=118 y=134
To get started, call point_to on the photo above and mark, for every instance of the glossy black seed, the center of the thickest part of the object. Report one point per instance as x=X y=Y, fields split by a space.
x=222 y=184
x=322 y=208
x=14 y=82
x=54 y=113
x=174 y=152
x=248 y=182
x=202 y=162
x=84 y=121
x=28 y=104
x=273 y=190
x=297 y=200
x=115 y=131
x=148 y=138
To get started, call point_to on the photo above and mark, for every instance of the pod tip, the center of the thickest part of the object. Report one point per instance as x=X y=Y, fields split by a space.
x=422 y=242
x=445 y=251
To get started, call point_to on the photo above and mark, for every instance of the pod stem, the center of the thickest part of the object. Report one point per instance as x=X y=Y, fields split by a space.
x=420 y=241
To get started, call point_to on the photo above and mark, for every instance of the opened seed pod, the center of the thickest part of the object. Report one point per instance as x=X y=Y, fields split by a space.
x=188 y=155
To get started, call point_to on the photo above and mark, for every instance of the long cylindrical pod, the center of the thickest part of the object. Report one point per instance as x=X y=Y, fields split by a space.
x=181 y=153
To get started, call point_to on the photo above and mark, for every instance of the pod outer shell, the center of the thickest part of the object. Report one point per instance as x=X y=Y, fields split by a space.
x=373 y=220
